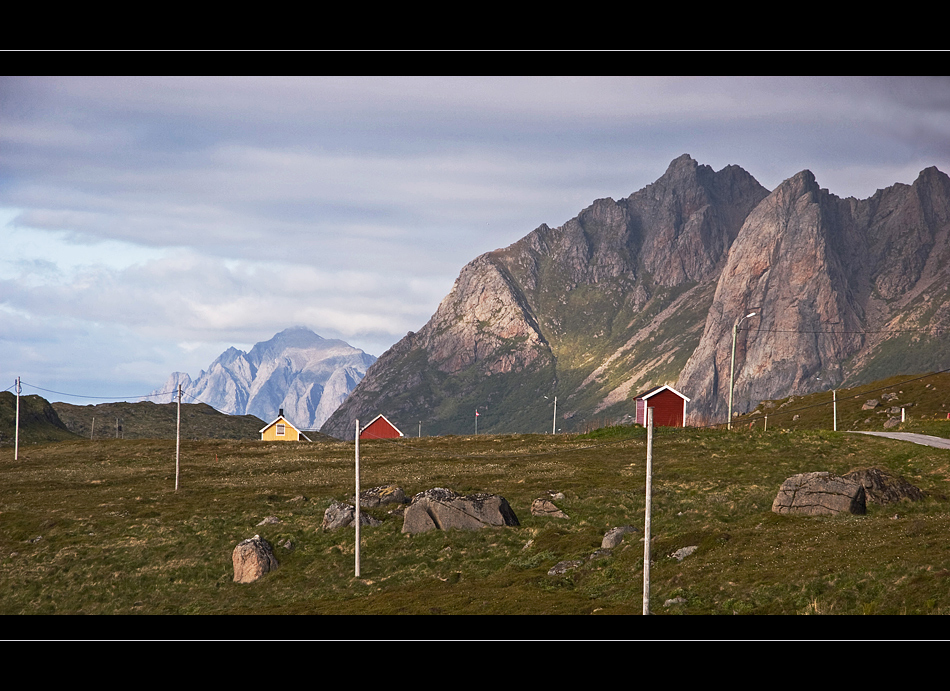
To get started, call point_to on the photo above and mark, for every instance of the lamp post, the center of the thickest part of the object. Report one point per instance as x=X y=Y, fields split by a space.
x=732 y=367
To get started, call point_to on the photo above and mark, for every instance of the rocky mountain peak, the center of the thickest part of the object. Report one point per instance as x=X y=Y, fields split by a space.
x=645 y=290
x=297 y=370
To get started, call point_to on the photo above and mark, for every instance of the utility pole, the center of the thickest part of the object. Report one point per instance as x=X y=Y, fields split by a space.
x=92 y=432
x=834 y=406
x=646 y=520
x=357 y=498
x=16 y=441
x=178 y=441
x=732 y=367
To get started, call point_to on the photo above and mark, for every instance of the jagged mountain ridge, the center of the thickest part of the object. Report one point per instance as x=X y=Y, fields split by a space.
x=558 y=312
x=297 y=370
x=847 y=291
x=645 y=291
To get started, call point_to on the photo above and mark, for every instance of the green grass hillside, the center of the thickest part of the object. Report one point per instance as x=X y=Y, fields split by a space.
x=147 y=420
x=39 y=422
x=96 y=527
x=925 y=399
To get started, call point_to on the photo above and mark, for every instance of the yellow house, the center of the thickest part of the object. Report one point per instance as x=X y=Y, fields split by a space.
x=281 y=430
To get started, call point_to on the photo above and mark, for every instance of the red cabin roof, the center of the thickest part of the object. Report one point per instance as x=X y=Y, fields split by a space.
x=380 y=428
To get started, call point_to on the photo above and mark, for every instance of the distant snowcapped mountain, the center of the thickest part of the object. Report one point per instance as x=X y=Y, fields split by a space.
x=297 y=370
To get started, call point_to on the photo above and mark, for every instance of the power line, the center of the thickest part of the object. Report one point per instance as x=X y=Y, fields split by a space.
x=109 y=398
x=806 y=331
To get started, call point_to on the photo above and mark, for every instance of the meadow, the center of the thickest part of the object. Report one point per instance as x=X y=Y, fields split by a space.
x=96 y=527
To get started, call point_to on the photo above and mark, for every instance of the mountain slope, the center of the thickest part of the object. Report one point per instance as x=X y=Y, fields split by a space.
x=846 y=291
x=297 y=370
x=610 y=302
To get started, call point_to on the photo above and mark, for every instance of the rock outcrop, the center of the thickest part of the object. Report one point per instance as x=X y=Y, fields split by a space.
x=819 y=493
x=340 y=515
x=443 y=509
x=882 y=487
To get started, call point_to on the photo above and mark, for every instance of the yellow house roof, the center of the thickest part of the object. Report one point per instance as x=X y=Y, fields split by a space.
x=276 y=420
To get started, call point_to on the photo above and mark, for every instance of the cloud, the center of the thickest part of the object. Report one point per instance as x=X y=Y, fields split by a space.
x=141 y=213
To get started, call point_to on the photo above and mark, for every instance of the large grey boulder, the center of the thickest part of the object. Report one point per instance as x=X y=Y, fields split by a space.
x=252 y=558
x=881 y=487
x=443 y=509
x=815 y=494
x=339 y=515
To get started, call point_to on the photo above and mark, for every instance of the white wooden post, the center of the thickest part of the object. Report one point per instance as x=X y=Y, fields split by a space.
x=357 y=498
x=16 y=434
x=646 y=521
x=178 y=441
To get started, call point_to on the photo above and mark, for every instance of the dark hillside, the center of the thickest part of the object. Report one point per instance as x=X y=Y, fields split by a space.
x=39 y=422
x=149 y=420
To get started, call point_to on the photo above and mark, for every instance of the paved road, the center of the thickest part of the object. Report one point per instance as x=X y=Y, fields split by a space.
x=925 y=439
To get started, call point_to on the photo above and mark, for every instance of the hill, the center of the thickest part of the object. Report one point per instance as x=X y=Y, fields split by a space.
x=919 y=403
x=646 y=291
x=147 y=420
x=39 y=422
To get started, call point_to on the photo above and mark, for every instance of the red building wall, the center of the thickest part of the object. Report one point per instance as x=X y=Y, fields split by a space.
x=667 y=409
x=379 y=429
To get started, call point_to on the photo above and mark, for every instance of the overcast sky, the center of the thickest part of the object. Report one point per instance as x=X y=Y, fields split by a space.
x=147 y=224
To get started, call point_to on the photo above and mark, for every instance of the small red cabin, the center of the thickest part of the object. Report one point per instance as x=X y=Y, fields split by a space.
x=669 y=407
x=380 y=428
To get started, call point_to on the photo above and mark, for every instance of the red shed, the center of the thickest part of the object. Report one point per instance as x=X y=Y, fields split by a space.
x=669 y=407
x=380 y=428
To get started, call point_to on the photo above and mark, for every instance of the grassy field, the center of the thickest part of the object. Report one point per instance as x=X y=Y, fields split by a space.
x=924 y=397
x=96 y=527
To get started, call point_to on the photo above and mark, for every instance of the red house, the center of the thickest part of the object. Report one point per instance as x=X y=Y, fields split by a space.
x=380 y=428
x=669 y=407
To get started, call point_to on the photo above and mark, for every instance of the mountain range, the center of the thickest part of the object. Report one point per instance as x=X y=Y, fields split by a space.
x=297 y=370
x=647 y=290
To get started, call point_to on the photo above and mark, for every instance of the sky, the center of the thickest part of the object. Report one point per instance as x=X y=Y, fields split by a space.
x=149 y=223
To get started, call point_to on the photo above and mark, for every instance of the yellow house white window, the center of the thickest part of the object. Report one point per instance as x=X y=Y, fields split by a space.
x=280 y=429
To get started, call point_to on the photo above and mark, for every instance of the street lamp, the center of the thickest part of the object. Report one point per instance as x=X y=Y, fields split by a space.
x=732 y=367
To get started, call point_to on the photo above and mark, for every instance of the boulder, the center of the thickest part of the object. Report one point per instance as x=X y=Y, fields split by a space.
x=443 y=509
x=339 y=515
x=681 y=554
x=821 y=493
x=545 y=507
x=385 y=494
x=252 y=558
x=870 y=405
x=614 y=536
x=881 y=487
x=564 y=567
